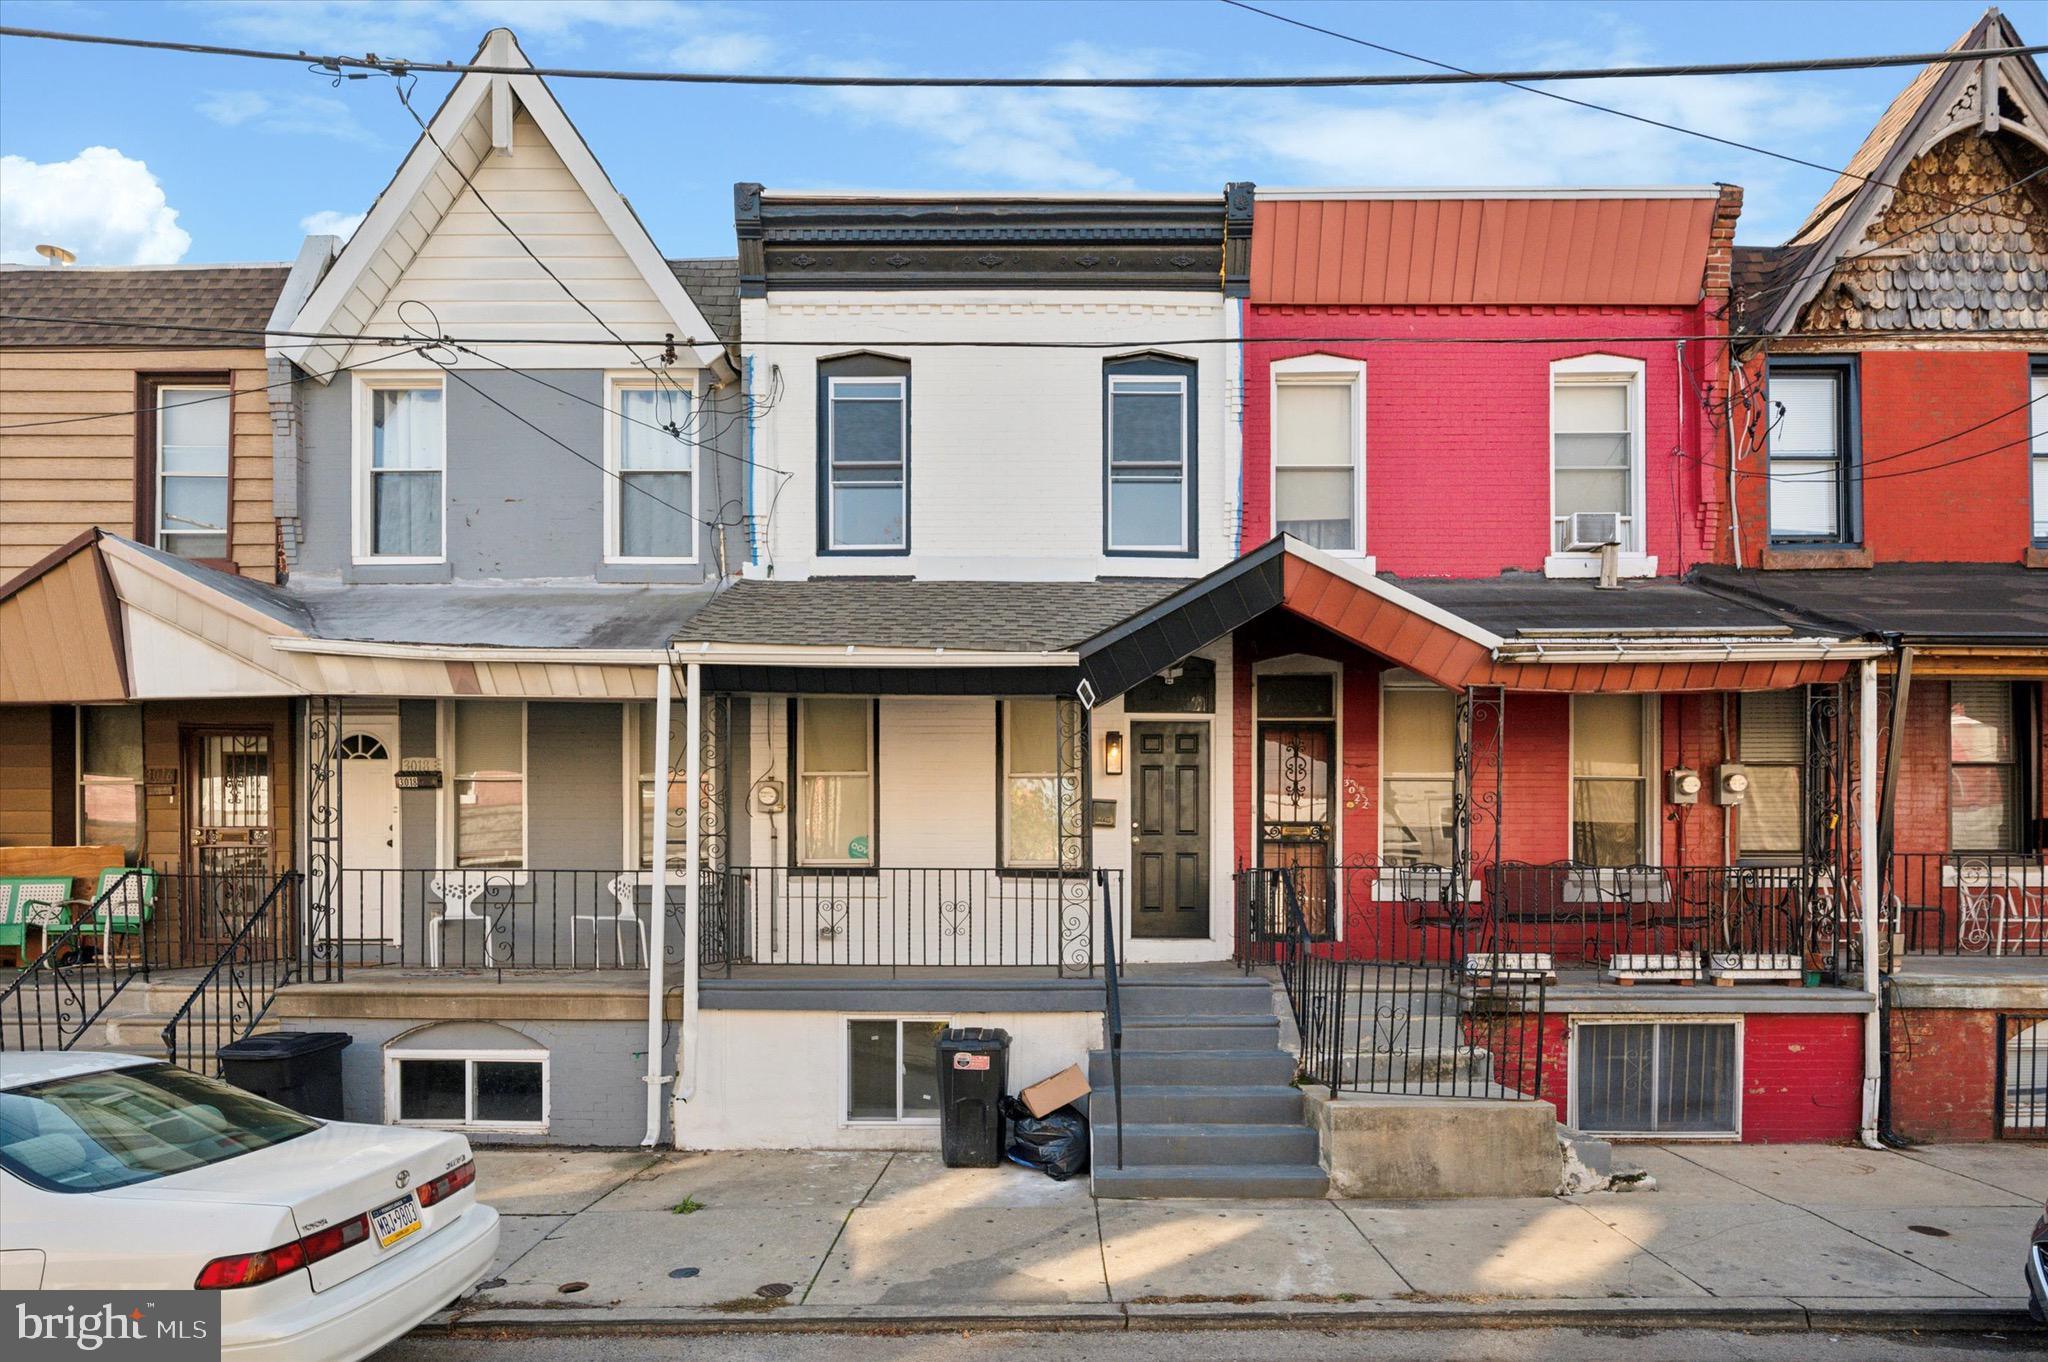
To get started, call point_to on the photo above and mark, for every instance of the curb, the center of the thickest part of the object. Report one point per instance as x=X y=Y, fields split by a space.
x=1776 y=1314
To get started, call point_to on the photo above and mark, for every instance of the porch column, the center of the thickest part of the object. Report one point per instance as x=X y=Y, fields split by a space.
x=1868 y=879
x=657 y=929
x=693 y=874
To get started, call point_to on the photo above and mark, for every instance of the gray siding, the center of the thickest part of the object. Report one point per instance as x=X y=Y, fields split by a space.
x=520 y=504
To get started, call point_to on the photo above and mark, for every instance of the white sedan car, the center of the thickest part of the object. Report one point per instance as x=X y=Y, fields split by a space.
x=326 y=1240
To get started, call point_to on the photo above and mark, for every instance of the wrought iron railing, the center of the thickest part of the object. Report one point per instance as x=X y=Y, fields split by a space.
x=57 y=996
x=1113 y=1004
x=1968 y=903
x=2021 y=1104
x=913 y=917
x=264 y=953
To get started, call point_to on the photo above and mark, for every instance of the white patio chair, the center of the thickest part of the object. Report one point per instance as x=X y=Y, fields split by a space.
x=459 y=891
x=625 y=892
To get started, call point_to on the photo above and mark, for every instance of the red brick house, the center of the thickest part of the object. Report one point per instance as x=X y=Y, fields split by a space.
x=1889 y=467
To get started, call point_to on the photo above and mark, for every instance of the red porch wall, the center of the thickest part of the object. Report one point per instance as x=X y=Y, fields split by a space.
x=1944 y=1070
x=1801 y=1075
x=1458 y=436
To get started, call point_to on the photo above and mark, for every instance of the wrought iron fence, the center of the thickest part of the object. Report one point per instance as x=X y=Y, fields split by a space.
x=910 y=917
x=1968 y=903
x=264 y=953
x=57 y=996
x=2021 y=1102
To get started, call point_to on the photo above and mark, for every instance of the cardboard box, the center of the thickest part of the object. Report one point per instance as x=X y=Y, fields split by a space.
x=1050 y=1094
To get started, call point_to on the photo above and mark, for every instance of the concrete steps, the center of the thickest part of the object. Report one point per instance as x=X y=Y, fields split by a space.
x=1208 y=1103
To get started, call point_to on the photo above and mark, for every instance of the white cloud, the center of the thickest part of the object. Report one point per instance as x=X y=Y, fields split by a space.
x=107 y=207
x=727 y=51
x=428 y=30
x=293 y=113
x=233 y=107
x=327 y=222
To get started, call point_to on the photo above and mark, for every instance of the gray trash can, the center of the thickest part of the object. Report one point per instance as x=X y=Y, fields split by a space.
x=296 y=1069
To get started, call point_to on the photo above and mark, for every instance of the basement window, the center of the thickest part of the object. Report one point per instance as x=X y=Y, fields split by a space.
x=892 y=1069
x=1670 y=1079
x=486 y=1090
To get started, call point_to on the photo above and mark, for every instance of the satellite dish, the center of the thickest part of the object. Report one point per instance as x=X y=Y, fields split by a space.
x=57 y=255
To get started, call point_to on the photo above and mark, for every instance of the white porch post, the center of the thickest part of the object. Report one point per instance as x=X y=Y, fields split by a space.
x=1866 y=836
x=688 y=1040
x=657 y=928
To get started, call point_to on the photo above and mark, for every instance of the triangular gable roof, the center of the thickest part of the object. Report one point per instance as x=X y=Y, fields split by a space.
x=474 y=121
x=1943 y=99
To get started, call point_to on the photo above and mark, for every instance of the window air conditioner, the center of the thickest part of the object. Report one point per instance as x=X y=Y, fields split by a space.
x=1591 y=530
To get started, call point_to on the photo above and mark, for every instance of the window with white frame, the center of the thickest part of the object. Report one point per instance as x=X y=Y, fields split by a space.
x=2039 y=393
x=650 y=511
x=1318 y=449
x=1609 y=765
x=401 y=458
x=491 y=1089
x=1596 y=453
x=1031 y=784
x=1150 y=459
x=488 y=782
x=892 y=1068
x=1773 y=746
x=110 y=777
x=647 y=784
x=1809 y=441
x=835 y=781
x=1418 y=759
x=1984 y=768
x=867 y=463
x=1667 y=1078
x=191 y=493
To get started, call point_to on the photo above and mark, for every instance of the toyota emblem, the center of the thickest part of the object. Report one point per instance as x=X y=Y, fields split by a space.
x=402 y=1178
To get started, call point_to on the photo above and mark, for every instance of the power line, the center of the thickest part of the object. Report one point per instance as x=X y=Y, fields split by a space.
x=371 y=63
x=227 y=396
x=1517 y=84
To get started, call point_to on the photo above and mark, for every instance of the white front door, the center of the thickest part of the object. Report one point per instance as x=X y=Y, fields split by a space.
x=371 y=896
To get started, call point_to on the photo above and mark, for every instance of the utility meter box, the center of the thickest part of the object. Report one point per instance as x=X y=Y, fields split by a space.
x=1682 y=785
x=1731 y=783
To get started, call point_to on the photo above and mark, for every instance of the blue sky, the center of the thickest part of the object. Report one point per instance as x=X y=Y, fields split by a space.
x=135 y=157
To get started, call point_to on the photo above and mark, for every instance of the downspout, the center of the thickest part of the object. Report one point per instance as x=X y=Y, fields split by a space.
x=1866 y=832
x=690 y=1040
x=747 y=405
x=664 y=684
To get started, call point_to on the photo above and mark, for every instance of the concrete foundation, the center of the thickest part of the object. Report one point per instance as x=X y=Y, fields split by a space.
x=1400 y=1148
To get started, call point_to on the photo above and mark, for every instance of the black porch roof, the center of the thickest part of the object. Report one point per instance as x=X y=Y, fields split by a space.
x=1517 y=604
x=1960 y=603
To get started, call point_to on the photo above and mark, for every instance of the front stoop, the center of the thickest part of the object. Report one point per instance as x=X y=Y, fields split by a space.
x=1389 y=1147
x=1209 y=1105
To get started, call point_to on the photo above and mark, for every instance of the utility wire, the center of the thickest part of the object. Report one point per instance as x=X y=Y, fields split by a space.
x=232 y=393
x=371 y=63
x=1516 y=83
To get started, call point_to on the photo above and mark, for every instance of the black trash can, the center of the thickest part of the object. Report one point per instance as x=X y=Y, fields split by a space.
x=974 y=1073
x=296 y=1069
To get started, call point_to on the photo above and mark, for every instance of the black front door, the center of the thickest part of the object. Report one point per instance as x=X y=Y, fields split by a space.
x=1170 y=830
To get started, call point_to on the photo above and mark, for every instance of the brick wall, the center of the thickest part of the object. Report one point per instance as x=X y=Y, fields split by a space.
x=1458 y=436
x=1944 y=1069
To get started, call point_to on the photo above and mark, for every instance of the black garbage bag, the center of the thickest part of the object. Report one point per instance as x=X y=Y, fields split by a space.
x=1056 y=1144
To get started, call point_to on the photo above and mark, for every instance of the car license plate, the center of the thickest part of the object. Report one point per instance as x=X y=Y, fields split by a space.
x=395 y=1220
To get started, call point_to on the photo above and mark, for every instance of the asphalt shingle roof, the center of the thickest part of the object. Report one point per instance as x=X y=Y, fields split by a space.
x=233 y=300
x=905 y=613
x=714 y=286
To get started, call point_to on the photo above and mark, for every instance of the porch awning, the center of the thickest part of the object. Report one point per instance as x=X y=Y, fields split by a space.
x=1517 y=631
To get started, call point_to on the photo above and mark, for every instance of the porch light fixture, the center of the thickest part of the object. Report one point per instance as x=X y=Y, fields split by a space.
x=1112 y=752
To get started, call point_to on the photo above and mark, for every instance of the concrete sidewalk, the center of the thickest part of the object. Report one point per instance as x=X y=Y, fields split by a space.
x=1753 y=1236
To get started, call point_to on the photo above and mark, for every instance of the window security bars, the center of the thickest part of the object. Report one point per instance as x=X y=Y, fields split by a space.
x=2021 y=1101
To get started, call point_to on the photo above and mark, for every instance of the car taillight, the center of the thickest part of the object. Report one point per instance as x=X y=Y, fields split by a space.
x=253 y=1269
x=448 y=1184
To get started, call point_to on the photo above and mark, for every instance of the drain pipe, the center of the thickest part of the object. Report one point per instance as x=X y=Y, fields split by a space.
x=657 y=928
x=690 y=1040
x=1866 y=833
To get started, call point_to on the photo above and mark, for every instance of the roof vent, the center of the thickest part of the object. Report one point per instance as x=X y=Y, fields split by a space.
x=56 y=255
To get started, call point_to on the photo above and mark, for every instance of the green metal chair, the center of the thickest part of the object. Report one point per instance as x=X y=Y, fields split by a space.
x=31 y=901
x=130 y=901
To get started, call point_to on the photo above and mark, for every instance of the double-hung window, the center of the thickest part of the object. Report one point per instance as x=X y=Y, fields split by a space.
x=488 y=738
x=2038 y=391
x=835 y=781
x=1596 y=438
x=1418 y=726
x=651 y=474
x=1609 y=767
x=867 y=462
x=191 y=483
x=1318 y=443
x=1151 y=457
x=401 y=454
x=1031 y=784
x=1773 y=736
x=1810 y=441
x=650 y=787
x=110 y=777
x=1984 y=779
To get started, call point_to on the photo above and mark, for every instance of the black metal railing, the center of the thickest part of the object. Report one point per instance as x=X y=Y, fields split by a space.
x=264 y=953
x=56 y=997
x=1968 y=903
x=2021 y=1101
x=1113 y=1006
x=913 y=917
